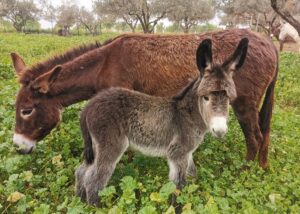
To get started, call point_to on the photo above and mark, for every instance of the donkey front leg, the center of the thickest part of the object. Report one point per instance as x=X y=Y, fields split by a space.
x=191 y=169
x=79 y=179
x=178 y=169
x=99 y=173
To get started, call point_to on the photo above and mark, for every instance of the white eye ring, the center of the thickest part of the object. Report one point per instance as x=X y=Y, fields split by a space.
x=26 y=113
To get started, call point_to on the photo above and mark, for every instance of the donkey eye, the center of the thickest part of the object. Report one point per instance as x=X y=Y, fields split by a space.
x=206 y=98
x=26 y=112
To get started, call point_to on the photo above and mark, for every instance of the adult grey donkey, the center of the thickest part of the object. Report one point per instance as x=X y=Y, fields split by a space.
x=117 y=118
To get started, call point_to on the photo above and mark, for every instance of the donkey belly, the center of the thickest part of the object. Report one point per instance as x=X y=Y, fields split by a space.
x=149 y=150
x=150 y=144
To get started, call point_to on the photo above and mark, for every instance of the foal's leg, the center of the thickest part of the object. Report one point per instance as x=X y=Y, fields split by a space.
x=108 y=153
x=247 y=115
x=79 y=177
x=178 y=168
x=191 y=169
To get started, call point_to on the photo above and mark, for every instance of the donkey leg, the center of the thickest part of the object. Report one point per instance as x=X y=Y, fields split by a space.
x=281 y=45
x=247 y=115
x=108 y=155
x=178 y=169
x=191 y=168
x=79 y=179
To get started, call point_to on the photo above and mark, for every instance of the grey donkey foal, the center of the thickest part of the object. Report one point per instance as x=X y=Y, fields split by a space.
x=117 y=118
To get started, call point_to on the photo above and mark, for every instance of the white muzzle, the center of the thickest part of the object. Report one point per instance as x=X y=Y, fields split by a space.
x=218 y=126
x=24 y=145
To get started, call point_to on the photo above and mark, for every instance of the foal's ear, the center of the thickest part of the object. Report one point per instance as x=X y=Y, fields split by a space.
x=18 y=63
x=237 y=59
x=43 y=82
x=204 y=56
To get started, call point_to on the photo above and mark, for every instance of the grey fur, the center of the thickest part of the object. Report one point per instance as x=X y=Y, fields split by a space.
x=170 y=127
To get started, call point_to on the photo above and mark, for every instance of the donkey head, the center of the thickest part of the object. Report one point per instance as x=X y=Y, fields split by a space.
x=36 y=116
x=216 y=88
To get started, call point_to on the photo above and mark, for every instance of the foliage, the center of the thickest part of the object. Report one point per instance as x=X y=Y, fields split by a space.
x=190 y=13
x=19 y=12
x=43 y=182
x=147 y=13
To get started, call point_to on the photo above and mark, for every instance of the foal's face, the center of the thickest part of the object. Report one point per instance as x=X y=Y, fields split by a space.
x=214 y=110
x=36 y=114
x=216 y=88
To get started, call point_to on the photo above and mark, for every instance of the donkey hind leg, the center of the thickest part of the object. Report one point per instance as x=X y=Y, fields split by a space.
x=191 y=168
x=178 y=169
x=79 y=177
x=247 y=115
x=99 y=173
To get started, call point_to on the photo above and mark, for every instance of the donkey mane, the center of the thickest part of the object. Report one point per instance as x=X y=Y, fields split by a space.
x=45 y=66
x=185 y=90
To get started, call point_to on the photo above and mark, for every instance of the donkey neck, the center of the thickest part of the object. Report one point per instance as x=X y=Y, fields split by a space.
x=78 y=79
x=186 y=103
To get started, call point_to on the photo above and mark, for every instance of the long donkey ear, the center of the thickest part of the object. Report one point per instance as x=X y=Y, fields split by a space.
x=237 y=59
x=204 y=56
x=43 y=82
x=18 y=63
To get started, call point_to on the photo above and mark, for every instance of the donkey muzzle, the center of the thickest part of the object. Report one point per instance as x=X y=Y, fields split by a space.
x=218 y=126
x=23 y=144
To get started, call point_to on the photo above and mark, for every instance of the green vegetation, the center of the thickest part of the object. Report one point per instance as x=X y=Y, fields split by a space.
x=44 y=181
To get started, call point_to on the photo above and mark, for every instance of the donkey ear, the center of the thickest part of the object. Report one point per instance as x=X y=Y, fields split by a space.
x=18 y=63
x=237 y=59
x=43 y=82
x=204 y=56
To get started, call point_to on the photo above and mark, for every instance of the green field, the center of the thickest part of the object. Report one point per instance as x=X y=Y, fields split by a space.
x=44 y=181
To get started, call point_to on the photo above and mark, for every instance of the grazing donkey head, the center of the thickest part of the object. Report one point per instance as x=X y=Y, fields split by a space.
x=36 y=115
x=217 y=88
x=38 y=105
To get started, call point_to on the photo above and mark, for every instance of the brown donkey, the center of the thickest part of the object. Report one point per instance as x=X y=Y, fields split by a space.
x=169 y=127
x=154 y=64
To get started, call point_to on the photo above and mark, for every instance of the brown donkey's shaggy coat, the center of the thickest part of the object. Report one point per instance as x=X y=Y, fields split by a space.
x=170 y=127
x=158 y=65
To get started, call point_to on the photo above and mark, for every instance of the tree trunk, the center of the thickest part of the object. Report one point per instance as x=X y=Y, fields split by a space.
x=286 y=16
x=257 y=22
x=18 y=27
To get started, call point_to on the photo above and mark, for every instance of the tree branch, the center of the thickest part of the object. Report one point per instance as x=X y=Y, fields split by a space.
x=286 y=16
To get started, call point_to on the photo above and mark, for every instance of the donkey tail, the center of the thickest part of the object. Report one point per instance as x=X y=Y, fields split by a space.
x=88 y=144
x=265 y=116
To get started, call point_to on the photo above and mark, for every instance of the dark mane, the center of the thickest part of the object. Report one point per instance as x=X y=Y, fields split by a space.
x=44 y=66
x=185 y=90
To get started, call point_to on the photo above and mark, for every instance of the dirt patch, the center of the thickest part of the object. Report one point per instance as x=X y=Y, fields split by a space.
x=288 y=47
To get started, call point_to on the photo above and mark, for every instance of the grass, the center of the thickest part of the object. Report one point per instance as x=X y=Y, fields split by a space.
x=44 y=181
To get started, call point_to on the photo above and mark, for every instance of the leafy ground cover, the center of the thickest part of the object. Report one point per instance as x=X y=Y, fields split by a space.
x=44 y=181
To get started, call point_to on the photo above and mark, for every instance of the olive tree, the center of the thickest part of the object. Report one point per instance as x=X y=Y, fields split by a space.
x=19 y=12
x=145 y=12
x=190 y=13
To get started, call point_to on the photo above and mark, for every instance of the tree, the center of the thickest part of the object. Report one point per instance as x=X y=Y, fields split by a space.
x=115 y=9
x=19 y=12
x=49 y=12
x=283 y=10
x=190 y=13
x=258 y=14
x=147 y=12
x=88 y=20
x=67 y=16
